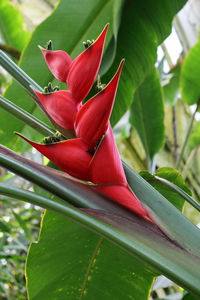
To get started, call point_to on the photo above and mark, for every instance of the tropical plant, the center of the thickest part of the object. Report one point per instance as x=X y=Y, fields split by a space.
x=107 y=231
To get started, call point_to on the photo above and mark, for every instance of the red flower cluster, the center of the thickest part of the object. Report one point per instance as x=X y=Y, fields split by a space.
x=92 y=155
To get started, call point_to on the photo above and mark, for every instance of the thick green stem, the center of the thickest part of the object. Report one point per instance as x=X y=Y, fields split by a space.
x=10 y=50
x=187 y=136
x=24 y=116
x=180 y=192
x=18 y=74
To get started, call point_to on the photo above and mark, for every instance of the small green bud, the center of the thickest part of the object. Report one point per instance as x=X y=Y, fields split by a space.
x=49 y=45
x=57 y=137
x=100 y=86
x=88 y=43
x=50 y=89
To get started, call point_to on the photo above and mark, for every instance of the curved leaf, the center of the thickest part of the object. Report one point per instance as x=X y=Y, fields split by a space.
x=190 y=76
x=71 y=262
x=137 y=236
x=144 y=25
x=147 y=114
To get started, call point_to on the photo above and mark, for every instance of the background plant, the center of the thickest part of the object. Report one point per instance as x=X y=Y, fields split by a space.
x=148 y=142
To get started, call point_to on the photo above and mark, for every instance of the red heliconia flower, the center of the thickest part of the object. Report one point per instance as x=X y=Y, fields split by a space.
x=110 y=178
x=80 y=73
x=92 y=119
x=61 y=107
x=93 y=155
x=85 y=67
x=71 y=156
x=107 y=156
x=59 y=63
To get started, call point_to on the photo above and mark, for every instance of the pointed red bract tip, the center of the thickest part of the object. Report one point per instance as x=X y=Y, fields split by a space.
x=58 y=62
x=71 y=156
x=85 y=67
x=60 y=106
x=106 y=166
x=122 y=195
x=92 y=119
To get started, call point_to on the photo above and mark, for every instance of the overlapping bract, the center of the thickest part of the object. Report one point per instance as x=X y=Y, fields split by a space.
x=92 y=155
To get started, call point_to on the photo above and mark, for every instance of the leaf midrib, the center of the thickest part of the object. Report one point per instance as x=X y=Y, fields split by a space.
x=89 y=268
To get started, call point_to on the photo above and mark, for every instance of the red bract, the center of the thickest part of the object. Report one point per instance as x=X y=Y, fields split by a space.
x=93 y=155
x=85 y=67
x=61 y=107
x=71 y=156
x=82 y=71
x=106 y=165
x=93 y=118
x=125 y=197
x=59 y=63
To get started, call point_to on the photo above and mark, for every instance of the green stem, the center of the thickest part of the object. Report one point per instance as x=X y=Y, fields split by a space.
x=180 y=192
x=24 y=116
x=18 y=74
x=189 y=130
x=10 y=50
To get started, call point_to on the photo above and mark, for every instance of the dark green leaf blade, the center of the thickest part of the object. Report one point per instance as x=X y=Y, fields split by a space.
x=143 y=27
x=140 y=238
x=71 y=262
x=147 y=114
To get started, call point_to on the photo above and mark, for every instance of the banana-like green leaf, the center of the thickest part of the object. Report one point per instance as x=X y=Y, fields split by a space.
x=71 y=23
x=144 y=25
x=180 y=263
x=72 y=262
x=137 y=236
x=147 y=114
x=12 y=26
x=190 y=74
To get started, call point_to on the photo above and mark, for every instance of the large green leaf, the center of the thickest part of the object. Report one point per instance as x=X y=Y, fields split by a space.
x=12 y=26
x=135 y=235
x=147 y=114
x=70 y=262
x=70 y=24
x=171 y=175
x=190 y=76
x=144 y=25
